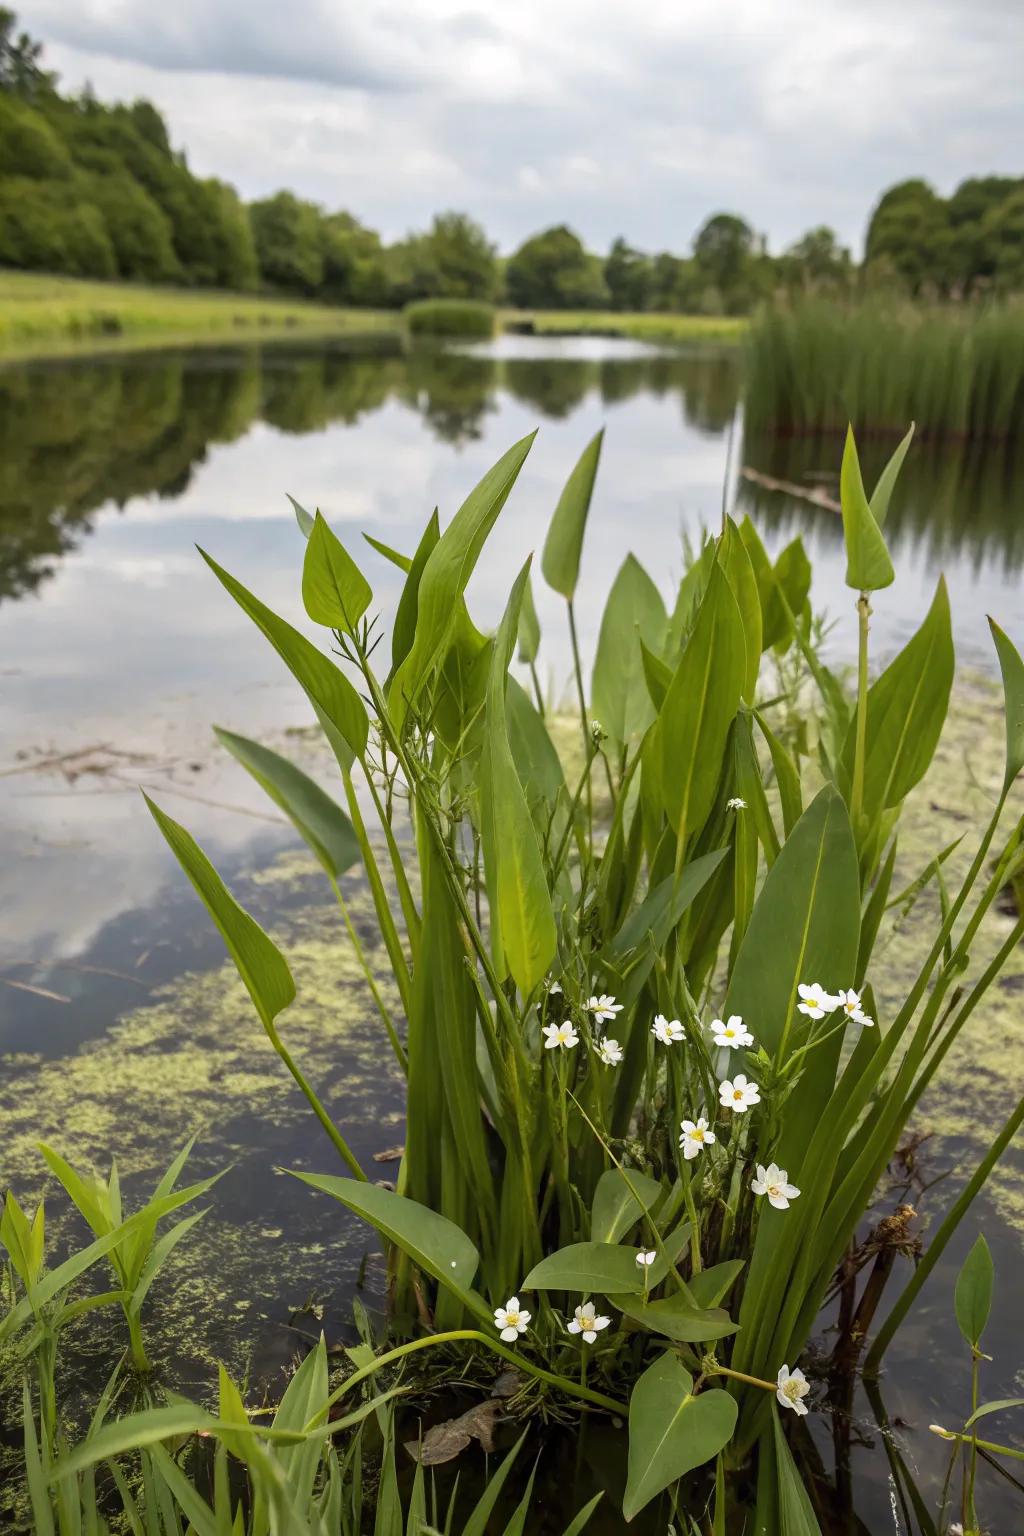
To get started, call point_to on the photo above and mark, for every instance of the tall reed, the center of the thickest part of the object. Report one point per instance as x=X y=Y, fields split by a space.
x=956 y=371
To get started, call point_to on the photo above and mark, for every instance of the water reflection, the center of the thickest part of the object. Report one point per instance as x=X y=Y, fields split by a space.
x=74 y=437
x=955 y=501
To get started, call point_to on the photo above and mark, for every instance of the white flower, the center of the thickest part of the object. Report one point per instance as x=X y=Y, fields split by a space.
x=849 y=1002
x=510 y=1320
x=604 y=1007
x=563 y=1035
x=668 y=1031
x=731 y=1032
x=587 y=1322
x=737 y=1094
x=610 y=1052
x=646 y=1257
x=816 y=1001
x=735 y=804
x=695 y=1137
x=773 y=1182
x=791 y=1389
x=552 y=987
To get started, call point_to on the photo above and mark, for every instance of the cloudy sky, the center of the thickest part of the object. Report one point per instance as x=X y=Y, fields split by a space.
x=635 y=118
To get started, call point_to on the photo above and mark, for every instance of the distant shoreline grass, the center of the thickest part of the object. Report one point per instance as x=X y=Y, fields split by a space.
x=52 y=316
x=46 y=316
x=639 y=326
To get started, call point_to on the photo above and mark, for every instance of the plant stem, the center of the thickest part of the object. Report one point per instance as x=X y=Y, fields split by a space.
x=857 y=797
x=938 y=1243
x=470 y=1335
x=382 y=1009
x=578 y=671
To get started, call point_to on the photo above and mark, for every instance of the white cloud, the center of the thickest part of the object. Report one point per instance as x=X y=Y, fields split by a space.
x=616 y=119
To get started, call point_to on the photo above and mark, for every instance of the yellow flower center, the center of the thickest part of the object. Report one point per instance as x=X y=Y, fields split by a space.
x=737 y=1093
x=697 y=1135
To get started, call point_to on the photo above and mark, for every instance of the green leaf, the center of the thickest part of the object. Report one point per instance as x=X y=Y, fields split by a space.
x=516 y=873
x=339 y=708
x=446 y=574
x=699 y=708
x=791 y=574
x=583 y=1518
x=437 y=1245
x=787 y=777
x=677 y=1318
x=996 y=1406
x=973 y=1296
x=657 y=676
x=404 y=629
x=671 y=1431
x=868 y=566
x=403 y=562
x=906 y=710
x=1012 y=668
x=318 y=818
x=771 y=610
x=478 y=1520
x=560 y=561
x=796 y=1514
x=334 y=590
x=529 y=627
x=603 y=1268
x=711 y=1286
x=661 y=910
x=302 y=517
x=260 y=963
x=882 y=493
x=619 y=1201
x=739 y=572
x=805 y=927
x=634 y=615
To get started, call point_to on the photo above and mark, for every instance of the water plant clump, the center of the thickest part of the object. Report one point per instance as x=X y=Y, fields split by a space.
x=650 y=1090
x=954 y=369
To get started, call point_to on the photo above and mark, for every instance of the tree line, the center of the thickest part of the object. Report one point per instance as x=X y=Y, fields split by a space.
x=97 y=190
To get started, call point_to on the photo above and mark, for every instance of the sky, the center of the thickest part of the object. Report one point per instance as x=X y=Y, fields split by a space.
x=617 y=118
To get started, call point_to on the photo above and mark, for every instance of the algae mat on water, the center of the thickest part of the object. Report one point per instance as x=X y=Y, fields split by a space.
x=195 y=1061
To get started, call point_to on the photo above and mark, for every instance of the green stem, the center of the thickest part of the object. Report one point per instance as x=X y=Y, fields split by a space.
x=982 y=1445
x=857 y=797
x=469 y=1335
x=938 y=1243
x=382 y=1008
x=537 y=689
x=342 y=1146
x=578 y=671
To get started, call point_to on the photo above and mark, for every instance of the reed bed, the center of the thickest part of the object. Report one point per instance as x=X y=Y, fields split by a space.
x=958 y=372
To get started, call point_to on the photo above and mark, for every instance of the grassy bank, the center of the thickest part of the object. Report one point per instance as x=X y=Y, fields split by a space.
x=49 y=315
x=957 y=371
x=41 y=314
x=635 y=327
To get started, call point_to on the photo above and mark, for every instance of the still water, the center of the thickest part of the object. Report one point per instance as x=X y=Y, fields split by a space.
x=119 y=1026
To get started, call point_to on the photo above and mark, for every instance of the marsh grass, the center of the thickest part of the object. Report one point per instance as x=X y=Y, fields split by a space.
x=958 y=372
x=463 y=318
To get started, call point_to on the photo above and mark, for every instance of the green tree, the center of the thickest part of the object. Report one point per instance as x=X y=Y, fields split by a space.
x=42 y=226
x=20 y=70
x=28 y=144
x=552 y=270
x=463 y=257
x=139 y=231
x=1000 y=244
x=629 y=275
x=817 y=260
x=355 y=270
x=731 y=271
x=909 y=235
x=973 y=213
x=289 y=246
x=235 y=264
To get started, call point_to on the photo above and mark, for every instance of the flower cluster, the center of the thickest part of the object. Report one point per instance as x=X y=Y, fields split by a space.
x=815 y=1002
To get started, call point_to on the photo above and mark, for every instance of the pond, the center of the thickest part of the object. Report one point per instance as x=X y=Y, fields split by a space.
x=121 y=1028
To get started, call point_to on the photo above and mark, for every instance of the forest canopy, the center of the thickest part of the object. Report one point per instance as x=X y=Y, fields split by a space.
x=97 y=190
